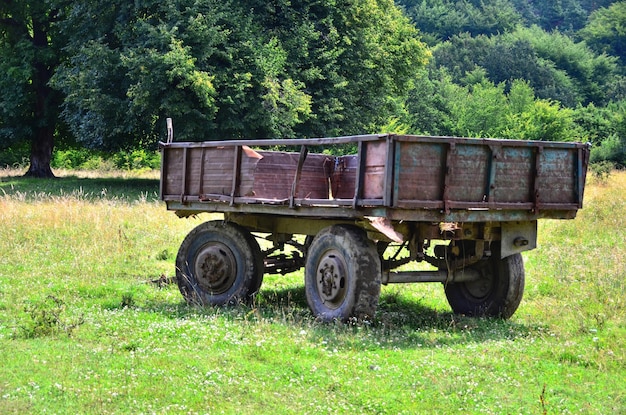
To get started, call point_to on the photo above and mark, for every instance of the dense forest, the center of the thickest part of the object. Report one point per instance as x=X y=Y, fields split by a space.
x=104 y=75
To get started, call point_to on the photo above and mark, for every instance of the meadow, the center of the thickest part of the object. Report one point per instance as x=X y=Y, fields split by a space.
x=91 y=323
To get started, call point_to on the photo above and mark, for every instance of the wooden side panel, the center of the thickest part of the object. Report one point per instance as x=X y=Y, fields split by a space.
x=172 y=175
x=343 y=178
x=217 y=177
x=419 y=172
x=201 y=171
x=417 y=177
x=374 y=175
x=263 y=174
x=556 y=181
x=209 y=170
x=468 y=171
x=514 y=168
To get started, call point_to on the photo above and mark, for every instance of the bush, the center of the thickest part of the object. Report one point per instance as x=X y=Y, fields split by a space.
x=84 y=159
x=612 y=149
x=70 y=158
x=16 y=157
x=601 y=171
x=47 y=318
x=137 y=160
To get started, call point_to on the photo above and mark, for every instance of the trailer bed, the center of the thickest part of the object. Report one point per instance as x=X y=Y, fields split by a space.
x=398 y=177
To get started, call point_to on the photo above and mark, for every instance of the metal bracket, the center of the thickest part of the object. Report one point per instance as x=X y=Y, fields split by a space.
x=518 y=237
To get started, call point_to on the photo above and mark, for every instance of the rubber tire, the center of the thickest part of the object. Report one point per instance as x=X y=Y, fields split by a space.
x=239 y=265
x=497 y=294
x=358 y=274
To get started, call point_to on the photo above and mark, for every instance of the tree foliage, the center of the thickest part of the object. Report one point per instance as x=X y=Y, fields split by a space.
x=226 y=69
x=550 y=15
x=606 y=30
x=443 y=19
x=606 y=129
x=556 y=67
x=106 y=74
x=485 y=109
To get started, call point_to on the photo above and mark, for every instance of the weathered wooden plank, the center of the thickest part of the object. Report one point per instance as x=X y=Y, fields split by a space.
x=419 y=173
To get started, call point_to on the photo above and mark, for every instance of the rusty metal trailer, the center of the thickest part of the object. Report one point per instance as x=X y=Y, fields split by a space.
x=468 y=207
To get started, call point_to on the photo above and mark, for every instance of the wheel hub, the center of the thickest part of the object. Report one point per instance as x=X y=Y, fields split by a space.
x=331 y=280
x=215 y=268
x=481 y=287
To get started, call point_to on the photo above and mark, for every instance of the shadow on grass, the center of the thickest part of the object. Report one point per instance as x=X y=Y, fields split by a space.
x=400 y=322
x=108 y=188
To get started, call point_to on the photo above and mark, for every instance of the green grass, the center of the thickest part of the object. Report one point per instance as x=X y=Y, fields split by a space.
x=83 y=328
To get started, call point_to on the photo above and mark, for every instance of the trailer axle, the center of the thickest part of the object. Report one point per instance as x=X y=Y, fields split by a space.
x=461 y=275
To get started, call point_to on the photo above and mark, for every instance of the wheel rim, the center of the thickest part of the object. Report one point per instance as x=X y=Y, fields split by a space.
x=331 y=279
x=482 y=287
x=215 y=268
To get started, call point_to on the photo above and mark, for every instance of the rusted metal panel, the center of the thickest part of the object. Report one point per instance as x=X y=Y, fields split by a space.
x=345 y=169
x=468 y=173
x=215 y=171
x=274 y=173
x=489 y=174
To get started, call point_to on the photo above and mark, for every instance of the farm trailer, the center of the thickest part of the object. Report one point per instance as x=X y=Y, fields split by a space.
x=468 y=207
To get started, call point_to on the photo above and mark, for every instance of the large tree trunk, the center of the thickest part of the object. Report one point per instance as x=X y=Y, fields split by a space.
x=41 y=154
x=45 y=115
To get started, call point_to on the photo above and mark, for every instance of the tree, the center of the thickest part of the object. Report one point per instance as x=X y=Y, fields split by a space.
x=606 y=30
x=445 y=18
x=561 y=15
x=484 y=109
x=428 y=105
x=555 y=66
x=360 y=62
x=31 y=49
x=591 y=73
x=505 y=59
x=606 y=128
x=480 y=110
x=229 y=69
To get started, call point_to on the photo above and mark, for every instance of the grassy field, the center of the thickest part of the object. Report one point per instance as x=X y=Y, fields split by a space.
x=85 y=329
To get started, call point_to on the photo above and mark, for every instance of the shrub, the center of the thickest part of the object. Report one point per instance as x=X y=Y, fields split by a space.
x=16 y=157
x=612 y=149
x=84 y=159
x=70 y=158
x=47 y=318
x=138 y=159
x=601 y=171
